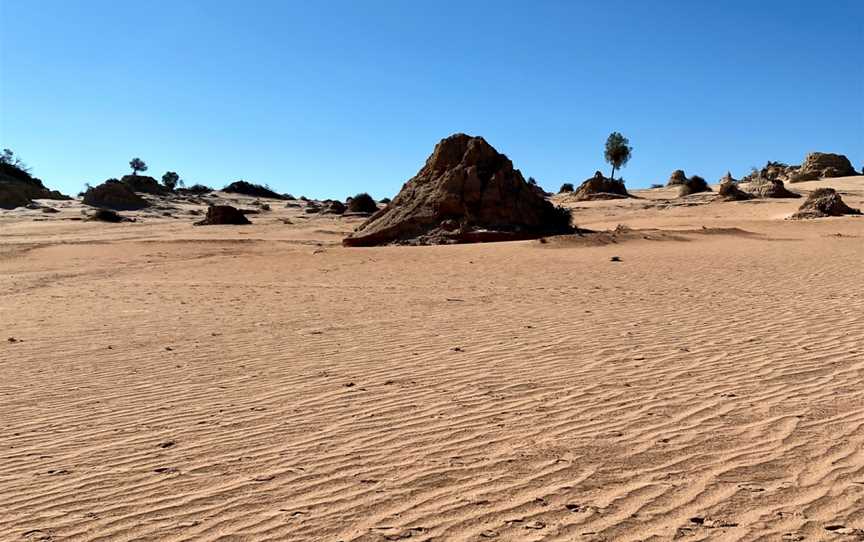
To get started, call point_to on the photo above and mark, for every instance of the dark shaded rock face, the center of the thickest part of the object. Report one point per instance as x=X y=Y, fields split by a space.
x=223 y=215
x=822 y=165
x=693 y=185
x=113 y=194
x=761 y=187
x=824 y=202
x=729 y=191
x=599 y=187
x=12 y=195
x=144 y=184
x=466 y=192
x=677 y=177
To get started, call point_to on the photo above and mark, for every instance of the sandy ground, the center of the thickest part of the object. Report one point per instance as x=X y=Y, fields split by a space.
x=168 y=382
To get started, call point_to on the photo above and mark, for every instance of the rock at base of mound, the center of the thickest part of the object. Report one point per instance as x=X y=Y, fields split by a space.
x=599 y=187
x=824 y=202
x=822 y=165
x=223 y=215
x=332 y=207
x=693 y=185
x=761 y=187
x=116 y=195
x=729 y=191
x=466 y=192
x=144 y=184
x=677 y=177
x=107 y=215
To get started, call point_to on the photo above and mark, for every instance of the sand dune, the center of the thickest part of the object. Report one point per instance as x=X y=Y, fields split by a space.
x=165 y=382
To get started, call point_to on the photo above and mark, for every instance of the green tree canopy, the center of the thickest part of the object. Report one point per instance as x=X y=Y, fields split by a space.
x=618 y=151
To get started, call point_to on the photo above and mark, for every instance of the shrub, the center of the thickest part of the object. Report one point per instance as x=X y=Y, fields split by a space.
x=197 y=189
x=250 y=189
x=170 y=180
x=362 y=203
x=566 y=187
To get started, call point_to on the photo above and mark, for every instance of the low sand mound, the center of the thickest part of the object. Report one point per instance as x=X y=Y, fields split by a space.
x=599 y=187
x=762 y=187
x=693 y=185
x=824 y=202
x=729 y=191
x=223 y=215
x=466 y=192
x=116 y=195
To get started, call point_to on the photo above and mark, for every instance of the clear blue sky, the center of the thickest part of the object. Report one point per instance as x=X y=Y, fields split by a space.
x=333 y=97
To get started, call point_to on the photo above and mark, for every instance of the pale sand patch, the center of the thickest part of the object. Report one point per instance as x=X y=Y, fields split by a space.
x=168 y=382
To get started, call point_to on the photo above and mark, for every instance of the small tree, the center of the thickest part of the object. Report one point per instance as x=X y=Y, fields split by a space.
x=566 y=187
x=170 y=180
x=137 y=165
x=617 y=151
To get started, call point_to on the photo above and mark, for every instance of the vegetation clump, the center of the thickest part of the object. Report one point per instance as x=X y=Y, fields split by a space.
x=251 y=189
x=362 y=203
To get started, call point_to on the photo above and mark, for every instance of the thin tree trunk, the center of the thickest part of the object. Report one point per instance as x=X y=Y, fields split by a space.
x=613 y=172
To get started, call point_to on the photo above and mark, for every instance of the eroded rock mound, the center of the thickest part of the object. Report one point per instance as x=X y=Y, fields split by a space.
x=729 y=190
x=761 y=187
x=116 y=195
x=677 y=177
x=599 y=187
x=822 y=165
x=824 y=202
x=223 y=215
x=466 y=192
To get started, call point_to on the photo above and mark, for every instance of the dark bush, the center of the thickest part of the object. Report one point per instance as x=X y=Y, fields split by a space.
x=144 y=184
x=362 y=203
x=250 y=189
x=196 y=189
x=566 y=187
x=385 y=201
x=107 y=215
